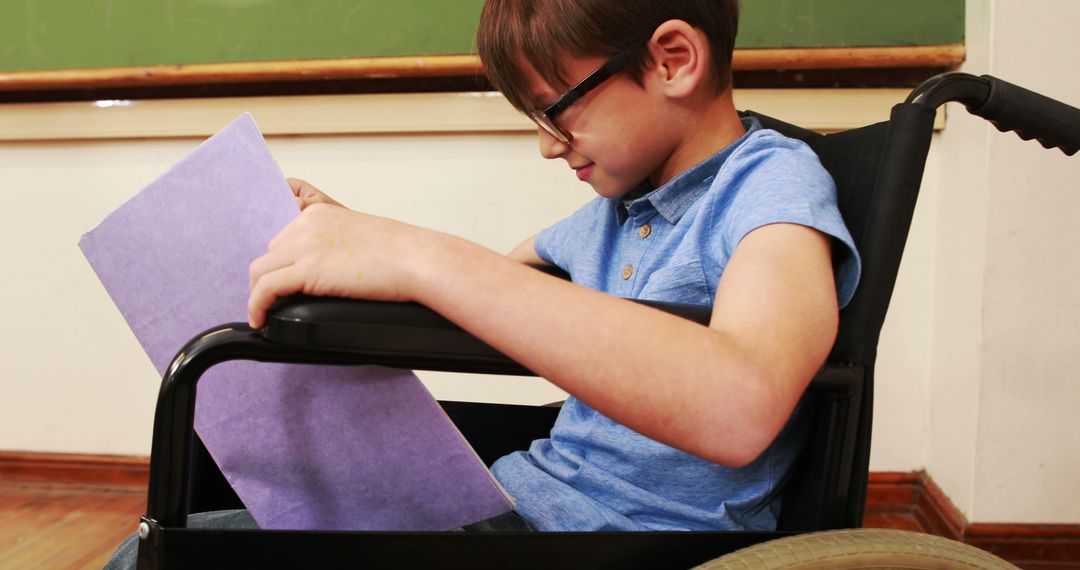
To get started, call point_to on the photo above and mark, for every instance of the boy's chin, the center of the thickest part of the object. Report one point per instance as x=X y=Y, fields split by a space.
x=609 y=190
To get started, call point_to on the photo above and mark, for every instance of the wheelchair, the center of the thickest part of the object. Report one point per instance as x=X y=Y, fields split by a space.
x=878 y=170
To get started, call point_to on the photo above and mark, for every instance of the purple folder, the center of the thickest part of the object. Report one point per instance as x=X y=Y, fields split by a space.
x=304 y=447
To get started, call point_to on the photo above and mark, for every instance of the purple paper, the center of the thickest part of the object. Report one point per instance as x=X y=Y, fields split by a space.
x=304 y=447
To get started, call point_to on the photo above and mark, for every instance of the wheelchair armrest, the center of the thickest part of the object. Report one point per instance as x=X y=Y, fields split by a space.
x=410 y=335
x=407 y=335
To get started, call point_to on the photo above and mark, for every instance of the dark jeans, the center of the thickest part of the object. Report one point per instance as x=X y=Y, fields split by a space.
x=127 y=553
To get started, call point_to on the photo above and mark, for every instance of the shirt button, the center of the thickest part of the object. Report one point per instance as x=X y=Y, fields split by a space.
x=645 y=231
x=627 y=271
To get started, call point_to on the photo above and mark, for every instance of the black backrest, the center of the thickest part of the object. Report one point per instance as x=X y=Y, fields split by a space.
x=878 y=170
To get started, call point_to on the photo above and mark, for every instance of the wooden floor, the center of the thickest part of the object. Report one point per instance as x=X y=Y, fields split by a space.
x=64 y=526
x=57 y=526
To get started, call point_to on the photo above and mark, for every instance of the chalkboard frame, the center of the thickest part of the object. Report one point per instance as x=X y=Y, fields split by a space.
x=433 y=67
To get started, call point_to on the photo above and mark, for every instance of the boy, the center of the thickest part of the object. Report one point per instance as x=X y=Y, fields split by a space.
x=671 y=425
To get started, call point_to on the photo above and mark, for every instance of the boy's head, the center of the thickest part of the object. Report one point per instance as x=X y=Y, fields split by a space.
x=543 y=34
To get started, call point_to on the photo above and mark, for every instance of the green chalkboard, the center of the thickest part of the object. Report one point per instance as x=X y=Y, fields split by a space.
x=79 y=34
x=850 y=23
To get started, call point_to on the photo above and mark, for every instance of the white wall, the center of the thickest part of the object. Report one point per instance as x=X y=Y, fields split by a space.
x=958 y=192
x=975 y=379
x=1004 y=388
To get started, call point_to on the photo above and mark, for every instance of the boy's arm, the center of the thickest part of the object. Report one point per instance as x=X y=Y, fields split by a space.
x=525 y=253
x=721 y=392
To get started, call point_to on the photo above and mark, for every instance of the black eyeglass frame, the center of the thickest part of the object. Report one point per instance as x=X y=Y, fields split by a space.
x=545 y=118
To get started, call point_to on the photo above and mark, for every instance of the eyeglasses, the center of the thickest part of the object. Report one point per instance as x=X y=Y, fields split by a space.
x=545 y=118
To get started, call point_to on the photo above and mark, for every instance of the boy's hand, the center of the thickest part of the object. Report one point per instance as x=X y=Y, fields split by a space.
x=306 y=194
x=334 y=251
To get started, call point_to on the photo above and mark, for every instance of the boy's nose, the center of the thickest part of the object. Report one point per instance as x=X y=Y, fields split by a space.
x=551 y=147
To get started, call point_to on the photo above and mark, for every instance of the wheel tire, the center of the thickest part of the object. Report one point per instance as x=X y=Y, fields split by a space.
x=858 y=549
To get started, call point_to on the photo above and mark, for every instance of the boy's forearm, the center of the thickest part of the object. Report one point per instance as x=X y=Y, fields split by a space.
x=678 y=382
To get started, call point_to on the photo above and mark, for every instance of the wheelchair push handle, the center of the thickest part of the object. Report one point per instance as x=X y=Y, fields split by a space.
x=1008 y=107
x=1031 y=115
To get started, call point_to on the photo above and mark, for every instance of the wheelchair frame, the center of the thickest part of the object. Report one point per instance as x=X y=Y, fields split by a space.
x=877 y=189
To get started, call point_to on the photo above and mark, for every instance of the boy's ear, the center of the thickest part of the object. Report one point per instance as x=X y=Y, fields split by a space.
x=680 y=58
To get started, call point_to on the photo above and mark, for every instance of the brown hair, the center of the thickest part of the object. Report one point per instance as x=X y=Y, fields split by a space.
x=543 y=32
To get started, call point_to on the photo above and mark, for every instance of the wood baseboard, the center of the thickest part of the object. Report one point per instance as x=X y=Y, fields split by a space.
x=74 y=469
x=910 y=494
x=1029 y=546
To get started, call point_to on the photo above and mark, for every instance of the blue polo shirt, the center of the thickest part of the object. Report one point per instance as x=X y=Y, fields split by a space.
x=672 y=244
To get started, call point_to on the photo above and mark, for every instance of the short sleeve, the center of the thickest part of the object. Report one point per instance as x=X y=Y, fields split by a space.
x=780 y=180
x=555 y=244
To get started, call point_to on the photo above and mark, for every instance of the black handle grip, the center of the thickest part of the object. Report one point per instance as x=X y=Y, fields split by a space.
x=1033 y=116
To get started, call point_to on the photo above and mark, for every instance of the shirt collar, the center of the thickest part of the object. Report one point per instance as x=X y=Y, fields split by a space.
x=673 y=199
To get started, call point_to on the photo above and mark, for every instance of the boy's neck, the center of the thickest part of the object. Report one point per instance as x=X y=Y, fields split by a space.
x=705 y=130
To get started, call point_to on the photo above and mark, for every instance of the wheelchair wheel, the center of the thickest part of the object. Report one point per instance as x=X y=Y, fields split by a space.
x=860 y=548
